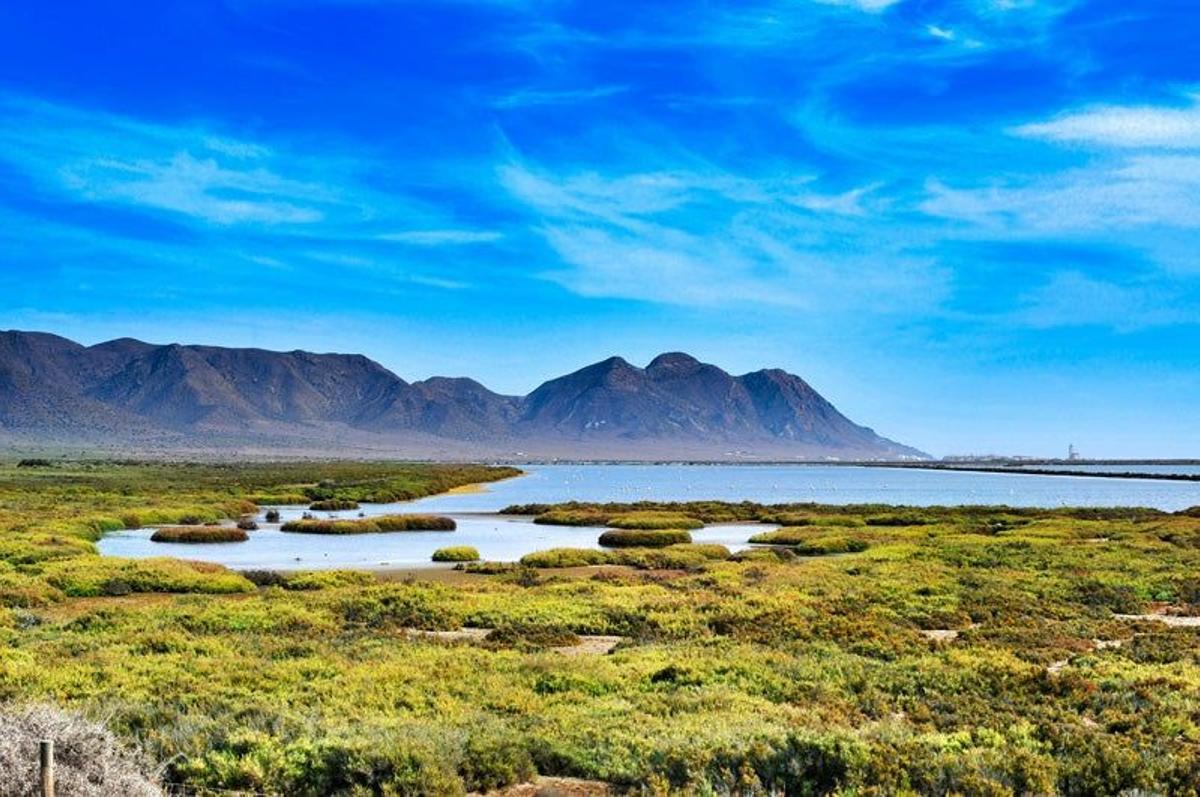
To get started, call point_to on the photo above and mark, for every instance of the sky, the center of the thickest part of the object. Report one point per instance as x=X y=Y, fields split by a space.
x=973 y=225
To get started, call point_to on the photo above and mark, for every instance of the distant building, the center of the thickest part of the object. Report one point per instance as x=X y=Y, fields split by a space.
x=1072 y=454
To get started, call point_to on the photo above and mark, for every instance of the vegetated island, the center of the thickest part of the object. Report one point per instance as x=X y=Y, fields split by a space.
x=970 y=650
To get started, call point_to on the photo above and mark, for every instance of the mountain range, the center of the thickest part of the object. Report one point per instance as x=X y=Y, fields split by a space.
x=126 y=393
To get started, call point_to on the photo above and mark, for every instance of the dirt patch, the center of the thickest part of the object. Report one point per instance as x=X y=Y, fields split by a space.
x=556 y=787
x=940 y=634
x=591 y=646
x=1173 y=620
x=587 y=645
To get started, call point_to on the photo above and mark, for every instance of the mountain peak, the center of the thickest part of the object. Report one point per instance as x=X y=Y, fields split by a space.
x=673 y=361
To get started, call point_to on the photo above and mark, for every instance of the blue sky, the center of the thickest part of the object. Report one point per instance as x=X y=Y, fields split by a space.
x=972 y=224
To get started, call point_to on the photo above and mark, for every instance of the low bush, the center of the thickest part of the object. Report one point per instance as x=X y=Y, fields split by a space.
x=565 y=557
x=95 y=576
x=247 y=525
x=644 y=538
x=195 y=534
x=375 y=525
x=571 y=517
x=34 y=462
x=788 y=535
x=764 y=555
x=654 y=521
x=674 y=557
x=707 y=550
x=310 y=580
x=900 y=520
x=825 y=546
x=456 y=553
x=22 y=591
x=272 y=516
x=804 y=519
x=530 y=636
x=333 y=505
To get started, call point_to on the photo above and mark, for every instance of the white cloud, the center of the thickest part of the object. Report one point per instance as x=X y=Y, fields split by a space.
x=1143 y=192
x=945 y=34
x=525 y=98
x=713 y=238
x=869 y=6
x=441 y=237
x=1124 y=126
x=201 y=188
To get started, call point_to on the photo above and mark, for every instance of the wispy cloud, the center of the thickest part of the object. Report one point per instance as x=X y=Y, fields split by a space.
x=870 y=6
x=530 y=97
x=711 y=238
x=1124 y=126
x=441 y=237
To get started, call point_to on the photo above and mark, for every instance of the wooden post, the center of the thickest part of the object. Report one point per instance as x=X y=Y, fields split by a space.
x=46 y=751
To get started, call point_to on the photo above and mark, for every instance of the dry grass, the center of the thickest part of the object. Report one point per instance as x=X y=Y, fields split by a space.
x=88 y=759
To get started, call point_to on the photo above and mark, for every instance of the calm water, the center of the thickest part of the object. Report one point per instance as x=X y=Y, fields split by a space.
x=507 y=539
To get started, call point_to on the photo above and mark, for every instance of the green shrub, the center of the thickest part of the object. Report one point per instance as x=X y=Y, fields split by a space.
x=644 y=538
x=34 y=462
x=196 y=534
x=789 y=535
x=707 y=550
x=654 y=520
x=94 y=576
x=375 y=525
x=571 y=517
x=327 y=579
x=565 y=557
x=494 y=758
x=18 y=590
x=803 y=519
x=530 y=636
x=764 y=555
x=900 y=520
x=674 y=557
x=456 y=553
x=1119 y=598
x=333 y=505
x=825 y=546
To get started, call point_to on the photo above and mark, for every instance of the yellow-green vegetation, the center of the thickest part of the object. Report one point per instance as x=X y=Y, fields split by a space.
x=644 y=538
x=199 y=534
x=456 y=553
x=333 y=505
x=620 y=517
x=654 y=520
x=684 y=556
x=815 y=540
x=797 y=519
x=831 y=544
x=374 y=525
x=747 y=677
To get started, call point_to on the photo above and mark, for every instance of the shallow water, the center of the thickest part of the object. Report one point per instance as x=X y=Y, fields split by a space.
x=826 y=484
x=498 y=539
x=501 y=538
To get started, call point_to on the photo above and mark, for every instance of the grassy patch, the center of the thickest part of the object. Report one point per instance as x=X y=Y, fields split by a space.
x=333 y=505
x=199 y=534
x=375 y=525
x=654 y=520
x=456 y=553
x=644 y=538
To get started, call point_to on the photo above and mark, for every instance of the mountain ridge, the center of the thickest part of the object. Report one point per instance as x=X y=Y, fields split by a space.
x=125 y=391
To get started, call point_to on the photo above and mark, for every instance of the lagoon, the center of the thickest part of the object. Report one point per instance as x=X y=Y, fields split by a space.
x=508 y=538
